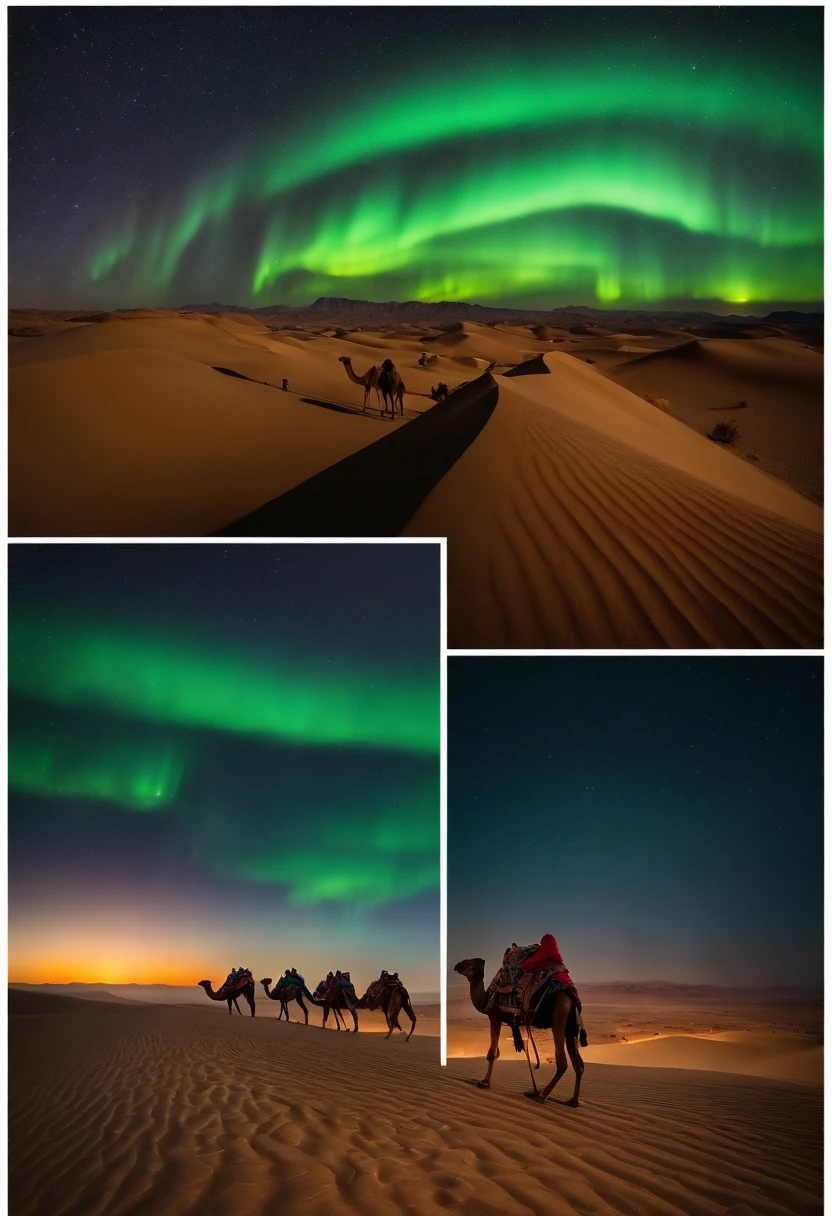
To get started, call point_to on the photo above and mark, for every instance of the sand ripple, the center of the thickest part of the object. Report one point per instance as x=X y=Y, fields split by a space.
x=173 y=1110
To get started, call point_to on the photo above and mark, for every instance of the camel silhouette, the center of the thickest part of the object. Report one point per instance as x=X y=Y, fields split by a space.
x=368 y=381
x=392 y=387
x=391 y=1001
x=563 y=1022
x=286 y=993
x=247 y=992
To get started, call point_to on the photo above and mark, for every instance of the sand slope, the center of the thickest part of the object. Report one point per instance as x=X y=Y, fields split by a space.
x=172 y=1111
x=581 y=516
x=124 y=428
x=781 y=381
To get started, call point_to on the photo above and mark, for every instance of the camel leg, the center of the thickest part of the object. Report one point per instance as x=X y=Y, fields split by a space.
x=237 y=1007
x=493 y=1052
x=409 y=1011
x=352 y=1010
x=534 y=1045
x=304 y=1010
x=251 y=1003
x=578 y=1065
x=559 y=1019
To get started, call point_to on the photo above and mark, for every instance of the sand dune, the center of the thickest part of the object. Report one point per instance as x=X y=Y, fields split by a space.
x=124 y=428
x=577 y=514
x=176 y=1111
x=781 y=381
x=581 y=516
x=777 y=1056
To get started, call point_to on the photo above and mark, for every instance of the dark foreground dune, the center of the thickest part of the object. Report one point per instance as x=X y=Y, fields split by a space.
x=166 y=1111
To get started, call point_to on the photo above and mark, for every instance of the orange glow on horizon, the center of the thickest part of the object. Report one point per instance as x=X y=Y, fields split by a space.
x=105 y=972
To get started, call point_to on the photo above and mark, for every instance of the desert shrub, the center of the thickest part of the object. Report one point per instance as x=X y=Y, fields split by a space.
x=661 y=403
x=724 y=432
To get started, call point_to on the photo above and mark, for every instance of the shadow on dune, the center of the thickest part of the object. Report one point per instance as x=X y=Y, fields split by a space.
x=532 y=367
x=333 y=405
x=376 y=491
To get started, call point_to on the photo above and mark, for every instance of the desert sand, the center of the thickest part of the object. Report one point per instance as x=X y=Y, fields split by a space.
x=774 y=1038
x=578 y=514
x=157 y=1109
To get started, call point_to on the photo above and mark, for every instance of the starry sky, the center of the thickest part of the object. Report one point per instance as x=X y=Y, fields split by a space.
x=534 y=157
x=662 y=817
x=223 y=756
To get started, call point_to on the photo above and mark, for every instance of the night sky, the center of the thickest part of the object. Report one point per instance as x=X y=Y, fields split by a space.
x=630 y=157
x=223 y=756
x=663 y=818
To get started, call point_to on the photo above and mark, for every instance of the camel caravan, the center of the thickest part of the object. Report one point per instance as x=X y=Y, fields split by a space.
x=388 y=385
x=532 y=990
x=335 y=994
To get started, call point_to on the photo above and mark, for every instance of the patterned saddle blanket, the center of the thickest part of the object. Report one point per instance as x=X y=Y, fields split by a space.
x=519 y=989
x=380 y=991
x=236 y=982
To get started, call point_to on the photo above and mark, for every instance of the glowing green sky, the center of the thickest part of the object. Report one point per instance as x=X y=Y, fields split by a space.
x=258 y=720
x=166 y=678
x=609 y=180
x=633 y=159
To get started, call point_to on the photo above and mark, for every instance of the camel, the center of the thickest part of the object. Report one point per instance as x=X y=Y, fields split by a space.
x=286 y=993
x=247 y=991
x=391 y=1002
x=368 y=381
x=392 y=386
x=439 y=391
x=559 y=1012
x=337 y=1000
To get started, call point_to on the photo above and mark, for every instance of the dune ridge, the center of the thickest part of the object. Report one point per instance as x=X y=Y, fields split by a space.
x=374 y=492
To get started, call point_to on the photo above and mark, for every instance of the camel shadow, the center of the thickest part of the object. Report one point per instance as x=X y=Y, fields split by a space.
x=332 y=405
x=345 y=409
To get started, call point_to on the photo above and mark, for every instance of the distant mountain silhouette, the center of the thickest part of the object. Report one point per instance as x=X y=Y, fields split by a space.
x=339 y=310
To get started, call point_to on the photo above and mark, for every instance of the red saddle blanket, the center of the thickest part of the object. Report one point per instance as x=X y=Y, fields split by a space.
x=527 y=971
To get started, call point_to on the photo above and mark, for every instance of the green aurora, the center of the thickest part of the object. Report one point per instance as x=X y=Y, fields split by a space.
x=167 y=679
x=159 y=725
x=126 y=773
x=613 y=178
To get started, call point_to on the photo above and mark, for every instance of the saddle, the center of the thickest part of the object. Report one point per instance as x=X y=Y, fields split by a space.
x=380 y=991
x=527 y=976
x=241 y=980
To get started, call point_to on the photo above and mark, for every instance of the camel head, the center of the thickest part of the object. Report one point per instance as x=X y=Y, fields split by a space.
x=344 y=359
x=472 y=968
x=388 y=365
x=204 y=984
x=266 y=982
